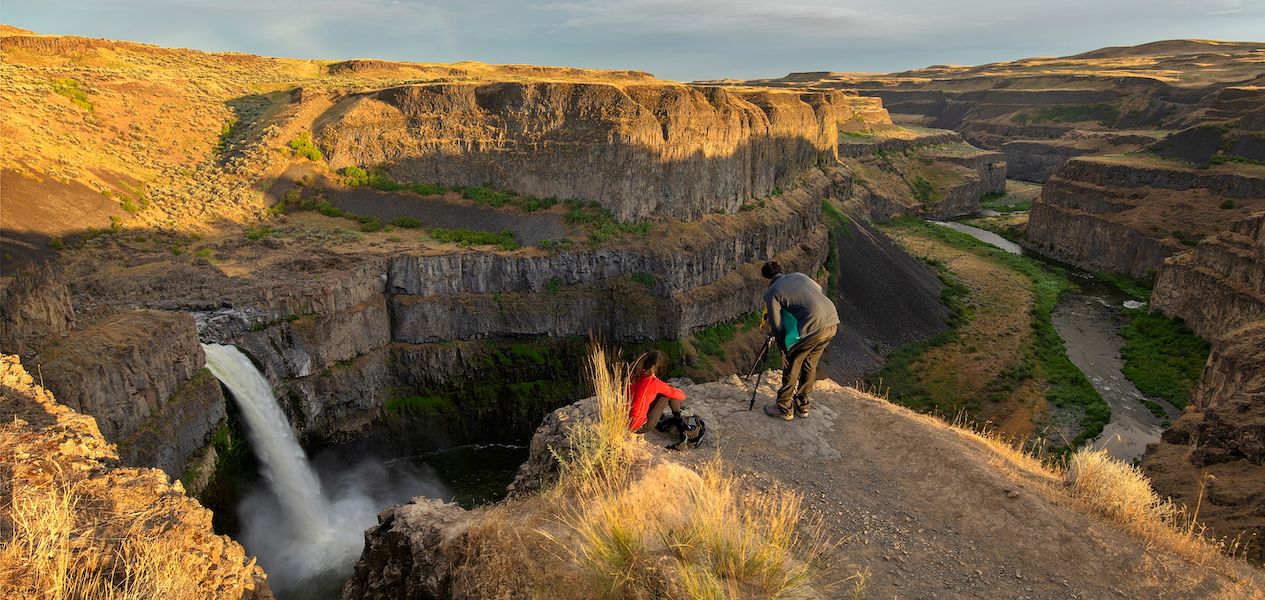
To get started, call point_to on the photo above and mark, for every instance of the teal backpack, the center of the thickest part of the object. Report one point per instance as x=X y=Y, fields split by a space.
x=791 y=327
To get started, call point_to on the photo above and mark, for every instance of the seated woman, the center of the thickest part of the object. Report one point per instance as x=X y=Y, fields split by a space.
x=649 y=395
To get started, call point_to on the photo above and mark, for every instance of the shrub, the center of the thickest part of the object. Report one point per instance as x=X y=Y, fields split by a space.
x=465 y=238
x=1227 y=204
x=70 y=89
x=369 y=224
x=302 y=145
x=645 y=279
x=354 y=176
x=57 y=244
x=259 y=233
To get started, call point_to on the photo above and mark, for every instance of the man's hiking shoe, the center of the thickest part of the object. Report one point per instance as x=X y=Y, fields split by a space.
x=801 y=411
x=773 y=410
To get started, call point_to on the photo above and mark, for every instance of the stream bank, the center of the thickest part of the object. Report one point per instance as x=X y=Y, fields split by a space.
x=1089 y=321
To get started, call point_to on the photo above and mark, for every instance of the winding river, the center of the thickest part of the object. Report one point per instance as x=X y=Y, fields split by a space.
x=1089 y=322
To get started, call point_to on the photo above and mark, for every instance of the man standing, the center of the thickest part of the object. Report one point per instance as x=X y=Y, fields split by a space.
x=803 y=320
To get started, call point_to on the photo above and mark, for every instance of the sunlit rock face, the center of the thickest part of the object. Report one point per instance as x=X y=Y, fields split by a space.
x=649 y=150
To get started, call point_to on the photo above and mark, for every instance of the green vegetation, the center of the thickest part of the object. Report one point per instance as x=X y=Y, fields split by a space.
x=600 y=223
x=1221 y=159
x=998 y=201
x=1190 y=239
x=70 y=88
x=1227 y=204
x=421 y=405
x=259 y=233
x=228 y=131
x=56 y=243
x=378 y=179
x=856 y=135
x=1162 y=356
x=922 y=189
x=1044 y=357
x=1137 y=289
x=465 y=238
x=302 y=145
x=645 y=279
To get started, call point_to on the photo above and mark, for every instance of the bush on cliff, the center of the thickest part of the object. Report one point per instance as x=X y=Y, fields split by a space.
x=302 y=145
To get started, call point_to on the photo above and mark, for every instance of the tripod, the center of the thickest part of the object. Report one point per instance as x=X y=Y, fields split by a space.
x=759 y=359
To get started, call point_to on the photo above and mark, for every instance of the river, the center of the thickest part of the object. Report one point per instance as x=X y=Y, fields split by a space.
x=1089 y=321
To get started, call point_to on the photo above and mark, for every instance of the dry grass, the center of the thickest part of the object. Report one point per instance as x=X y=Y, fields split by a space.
x=61 y=544
x=620 y=524
x=1122 y=494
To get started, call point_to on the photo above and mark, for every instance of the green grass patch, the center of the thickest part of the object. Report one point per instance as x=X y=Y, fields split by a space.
x=997 y=201
x=421 y=405
x=1162 y=356
x=302 y=145
x=1137 y=289
x=599 y=223
x=71 y=90
x=1044 y=357
x=922 y=189
x=503 y=240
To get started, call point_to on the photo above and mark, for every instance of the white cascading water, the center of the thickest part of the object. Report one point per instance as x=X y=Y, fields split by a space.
x=284 y=462
x=306 y=538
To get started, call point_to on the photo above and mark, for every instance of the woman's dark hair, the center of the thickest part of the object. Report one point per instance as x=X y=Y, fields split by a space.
x=771 y=269
x=652 y=363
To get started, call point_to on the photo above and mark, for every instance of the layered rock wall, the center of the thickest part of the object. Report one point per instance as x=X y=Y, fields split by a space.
x=125 y=511
x=1127 y=214
x=1223 y=435
x=1220 y=286
x=35 y=308
x=139 y=374
x=639 y=150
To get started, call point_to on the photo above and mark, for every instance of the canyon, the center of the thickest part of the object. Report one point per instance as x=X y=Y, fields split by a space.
x=417 y=256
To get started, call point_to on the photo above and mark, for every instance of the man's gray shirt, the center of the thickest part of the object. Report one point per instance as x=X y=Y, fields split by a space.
x=799 y=295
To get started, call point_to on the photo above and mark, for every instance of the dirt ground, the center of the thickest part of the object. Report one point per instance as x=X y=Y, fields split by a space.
x=930 y=511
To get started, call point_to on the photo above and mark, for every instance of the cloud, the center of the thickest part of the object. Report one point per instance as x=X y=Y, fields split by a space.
x=700 y=16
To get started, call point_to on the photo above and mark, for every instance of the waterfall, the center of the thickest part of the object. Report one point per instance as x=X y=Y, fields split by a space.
x=284 y=463
x=306 y=538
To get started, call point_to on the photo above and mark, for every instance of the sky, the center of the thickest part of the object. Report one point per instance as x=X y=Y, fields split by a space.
x=685 y=41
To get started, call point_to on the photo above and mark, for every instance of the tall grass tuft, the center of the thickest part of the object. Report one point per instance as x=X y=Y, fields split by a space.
x=644 y=529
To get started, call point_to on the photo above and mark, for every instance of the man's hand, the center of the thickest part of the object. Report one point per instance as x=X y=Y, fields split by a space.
x=785 y=363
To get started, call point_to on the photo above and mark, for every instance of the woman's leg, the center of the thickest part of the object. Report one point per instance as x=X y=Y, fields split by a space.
x=656 y=409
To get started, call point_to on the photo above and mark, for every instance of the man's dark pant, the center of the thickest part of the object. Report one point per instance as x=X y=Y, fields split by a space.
x=801 y=370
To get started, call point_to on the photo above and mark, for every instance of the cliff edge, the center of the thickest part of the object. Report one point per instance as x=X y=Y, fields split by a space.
x=922 y=507
x=74 y=521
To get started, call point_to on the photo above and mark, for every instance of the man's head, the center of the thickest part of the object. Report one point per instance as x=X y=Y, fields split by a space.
x=770 y=270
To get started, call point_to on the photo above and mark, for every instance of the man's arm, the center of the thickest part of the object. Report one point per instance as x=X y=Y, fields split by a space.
x=774 y=311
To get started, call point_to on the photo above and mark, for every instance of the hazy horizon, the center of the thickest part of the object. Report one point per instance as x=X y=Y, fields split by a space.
x=706 y=39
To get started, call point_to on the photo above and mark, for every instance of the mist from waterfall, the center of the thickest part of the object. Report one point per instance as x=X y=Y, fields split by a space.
x=306 y=531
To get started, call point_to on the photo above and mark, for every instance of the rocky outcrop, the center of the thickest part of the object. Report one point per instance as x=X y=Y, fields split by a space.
x=639 y=150
x=410 y=552
x=929 y=173
x=34 y=309
x=1039 y=159
x=1214 y=454
x=139 y=373
x=114 y=511
x=1220 y=286
x=1127 y=214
